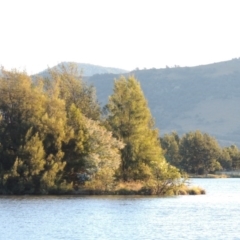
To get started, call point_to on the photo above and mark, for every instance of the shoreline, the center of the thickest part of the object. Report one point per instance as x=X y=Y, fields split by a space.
x=214 y=176
x=184 y=190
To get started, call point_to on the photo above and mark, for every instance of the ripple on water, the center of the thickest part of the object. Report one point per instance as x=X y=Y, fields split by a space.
x=211 y=216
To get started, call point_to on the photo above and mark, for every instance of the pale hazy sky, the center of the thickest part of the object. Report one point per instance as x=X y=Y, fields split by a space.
x=126 y=34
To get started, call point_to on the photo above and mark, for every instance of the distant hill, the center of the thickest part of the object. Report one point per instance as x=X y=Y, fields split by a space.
x=183 y=99
x=89 y=69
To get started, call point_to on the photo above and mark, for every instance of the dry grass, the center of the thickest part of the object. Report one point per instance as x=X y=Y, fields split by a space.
x=196 y=191
x=139 y=188
x=192 y=190
x=131 y=188
x=208 y=176
x=128 y=187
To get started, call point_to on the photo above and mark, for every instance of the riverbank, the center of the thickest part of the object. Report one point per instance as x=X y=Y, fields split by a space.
x=208 y=176
x=138 y=188
x=120 y=188
x=218 y=175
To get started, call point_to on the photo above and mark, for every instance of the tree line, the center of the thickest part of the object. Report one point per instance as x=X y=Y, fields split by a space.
x=55 y=138
x=199 y=153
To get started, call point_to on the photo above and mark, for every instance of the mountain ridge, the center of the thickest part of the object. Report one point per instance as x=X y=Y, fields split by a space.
x=87 y=69
x=184 y=99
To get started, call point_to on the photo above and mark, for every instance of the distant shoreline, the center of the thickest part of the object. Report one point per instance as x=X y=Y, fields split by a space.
x=226 y=175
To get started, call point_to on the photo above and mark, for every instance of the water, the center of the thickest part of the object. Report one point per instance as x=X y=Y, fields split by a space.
x=215 y=215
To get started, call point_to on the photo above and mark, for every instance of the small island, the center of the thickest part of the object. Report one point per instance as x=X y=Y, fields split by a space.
x=56 y=139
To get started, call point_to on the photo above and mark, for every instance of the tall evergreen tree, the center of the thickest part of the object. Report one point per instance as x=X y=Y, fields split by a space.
x=130 y=120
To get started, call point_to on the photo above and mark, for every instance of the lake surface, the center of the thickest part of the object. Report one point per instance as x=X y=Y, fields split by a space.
x=215 y=215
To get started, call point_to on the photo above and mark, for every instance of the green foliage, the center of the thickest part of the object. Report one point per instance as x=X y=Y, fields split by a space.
x=32 y=131
x=234 y=154
x=200 y=153
x=166 y=180
x=170 y=144
x=30 y=161
x=103 y=149
x=73 y=90
x=130 y=120
x=76 y=146
x=225 y=159
x=102 y=181
x=47 y=138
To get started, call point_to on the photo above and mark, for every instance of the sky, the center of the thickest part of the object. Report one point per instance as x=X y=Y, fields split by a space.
x=127 y=34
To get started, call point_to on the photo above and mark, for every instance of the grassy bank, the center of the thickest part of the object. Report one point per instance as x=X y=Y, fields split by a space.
x=208 y=176
x=225 y=175
x=139 y=188
x=191 y=190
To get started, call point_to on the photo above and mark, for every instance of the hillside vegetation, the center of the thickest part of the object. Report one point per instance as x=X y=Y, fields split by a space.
x=184 y=99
